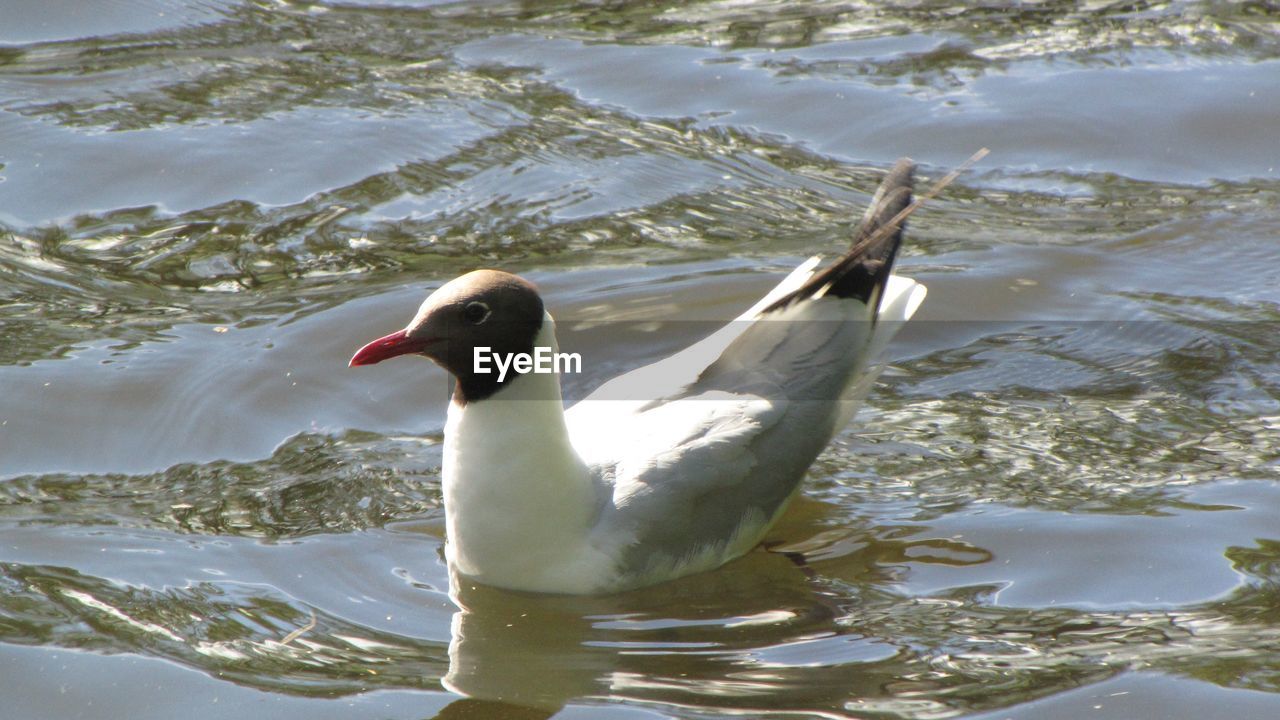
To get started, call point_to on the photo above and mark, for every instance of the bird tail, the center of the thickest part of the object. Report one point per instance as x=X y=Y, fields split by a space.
x=863 y=271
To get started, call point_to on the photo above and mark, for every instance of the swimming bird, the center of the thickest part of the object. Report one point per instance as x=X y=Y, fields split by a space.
x=670 y=469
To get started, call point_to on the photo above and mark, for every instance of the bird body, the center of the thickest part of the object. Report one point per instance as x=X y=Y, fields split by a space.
x=670 y=469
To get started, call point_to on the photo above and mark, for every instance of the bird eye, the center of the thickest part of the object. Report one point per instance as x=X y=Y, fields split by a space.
x=475 y=312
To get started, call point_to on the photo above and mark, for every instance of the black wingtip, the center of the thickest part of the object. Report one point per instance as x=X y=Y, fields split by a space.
x=892 y=197
x=863 y=271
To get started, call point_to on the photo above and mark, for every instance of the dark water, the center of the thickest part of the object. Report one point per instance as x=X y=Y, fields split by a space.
x=1060 y=501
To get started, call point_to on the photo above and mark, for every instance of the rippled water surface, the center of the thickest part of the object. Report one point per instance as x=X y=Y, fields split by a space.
x=1060 y=500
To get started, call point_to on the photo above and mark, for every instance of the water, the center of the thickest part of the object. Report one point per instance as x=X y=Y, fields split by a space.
x=1061 y=498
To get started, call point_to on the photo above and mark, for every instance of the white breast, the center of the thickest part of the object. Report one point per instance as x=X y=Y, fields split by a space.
x=519 y=503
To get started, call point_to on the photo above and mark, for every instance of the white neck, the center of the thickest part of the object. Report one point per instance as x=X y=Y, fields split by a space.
x=519 y=502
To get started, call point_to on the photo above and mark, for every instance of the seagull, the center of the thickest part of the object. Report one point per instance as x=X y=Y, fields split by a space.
x=671 y=469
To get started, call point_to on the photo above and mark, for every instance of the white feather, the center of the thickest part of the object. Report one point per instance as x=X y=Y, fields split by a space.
x=543 y=500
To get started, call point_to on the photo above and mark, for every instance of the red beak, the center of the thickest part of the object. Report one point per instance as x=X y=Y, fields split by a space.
x=397 y=343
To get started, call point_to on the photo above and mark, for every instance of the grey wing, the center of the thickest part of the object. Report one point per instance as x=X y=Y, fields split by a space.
x=689 y=491
x=697 y=478
x=701 y=451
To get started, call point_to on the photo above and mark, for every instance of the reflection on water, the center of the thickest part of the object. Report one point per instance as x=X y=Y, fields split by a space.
x=1064 y=483
x=821 y=627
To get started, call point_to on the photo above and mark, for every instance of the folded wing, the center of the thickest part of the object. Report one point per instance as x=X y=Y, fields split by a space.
x=728 y=427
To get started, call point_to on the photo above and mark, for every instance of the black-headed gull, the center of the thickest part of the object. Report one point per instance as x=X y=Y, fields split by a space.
x=696 y=461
